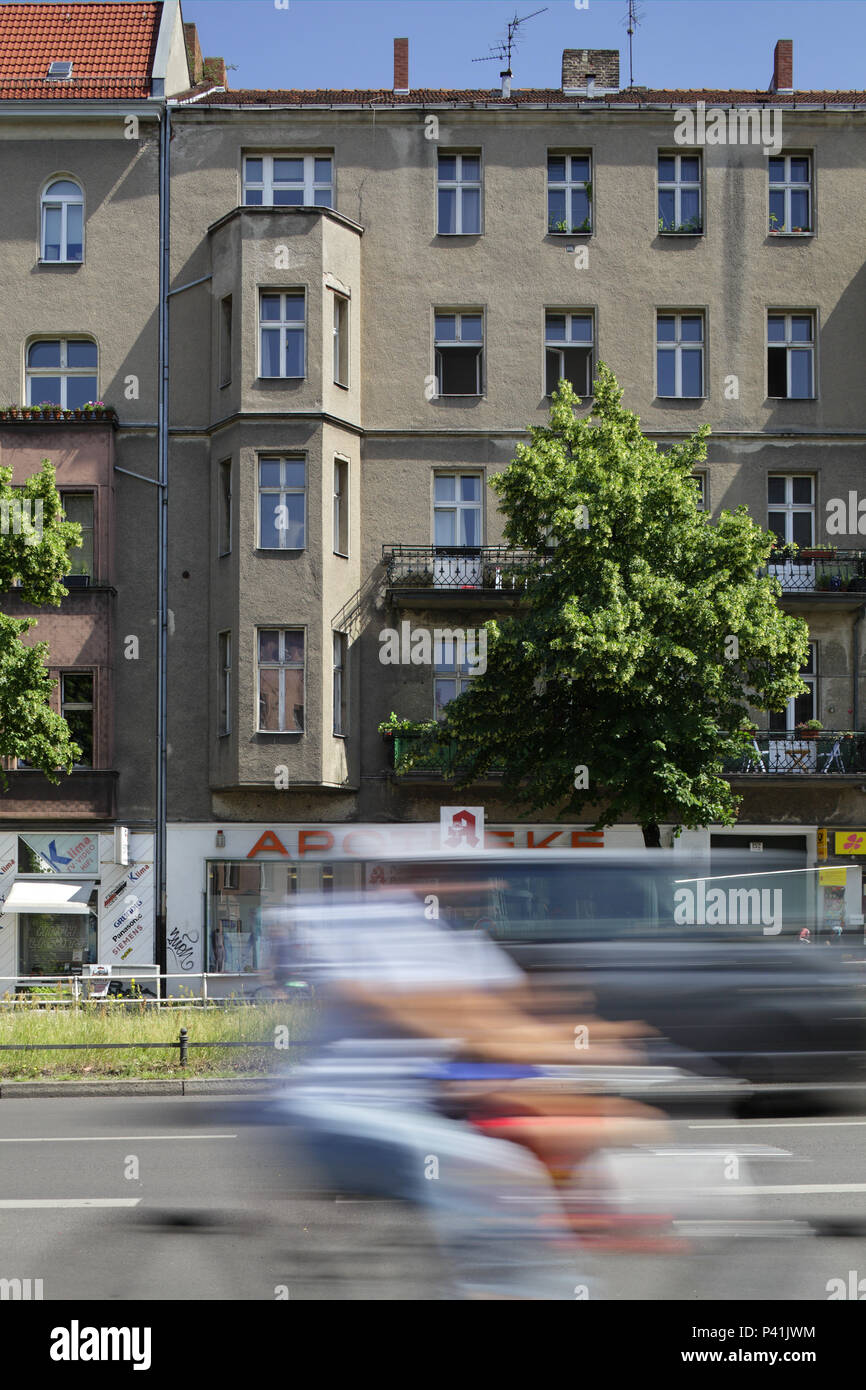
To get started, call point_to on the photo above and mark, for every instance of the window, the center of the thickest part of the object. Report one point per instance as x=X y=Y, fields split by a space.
x=281 y=680
x=569 y=193
x=225 y=677
x=63 y=222
x=341 y=506
x=451 y=675
x=790 y=356
x=78 y=506
x=459 y=351
x=61 y=371
x=568 y=351
x=341 y=340
x=76 y=706
x=457 y=509
x=791 y=193
x=288 y=180
x=680 y=354
x=282 y=503
x=791 y=508
x=680 y=193
x=341 y=722
x=282 y=326
x=226 y=340
x=459 y=195
x=700 y=482
x=801 y=707
x=225 y=507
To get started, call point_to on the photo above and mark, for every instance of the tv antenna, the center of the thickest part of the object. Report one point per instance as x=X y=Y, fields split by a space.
x=631 y=21
x=504 y=49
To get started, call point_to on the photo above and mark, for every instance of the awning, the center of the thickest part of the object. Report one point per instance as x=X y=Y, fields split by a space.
x=59 y=896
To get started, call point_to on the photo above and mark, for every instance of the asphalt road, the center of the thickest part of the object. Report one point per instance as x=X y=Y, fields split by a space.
x=203 y=1198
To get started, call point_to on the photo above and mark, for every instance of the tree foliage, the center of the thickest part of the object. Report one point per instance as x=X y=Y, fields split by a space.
x=647 y=633
x=35 y=542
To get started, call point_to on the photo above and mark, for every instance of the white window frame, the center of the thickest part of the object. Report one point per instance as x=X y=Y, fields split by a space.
x=459 y=184
x=787 y=187
x=677 y=186
x=63 y=201
x=553 y=345
x=340 y=685
x=458 y=341
x=453 y=670
x=791 y=346
x=678 y=345
x=224 y=701
x=457 y=506
x=284 y=325
x=280 y=665
x=341 y=340
x=789 y=507
x=341 y=506
x=309 y=186
x=32 y=375
x=810 y=679
x=569 y=184
x=281 y=491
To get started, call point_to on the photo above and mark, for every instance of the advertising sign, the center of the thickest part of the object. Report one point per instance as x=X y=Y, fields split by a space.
x=63 y=854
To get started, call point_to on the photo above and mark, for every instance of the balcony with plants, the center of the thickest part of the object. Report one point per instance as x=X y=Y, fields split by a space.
x=817 y=569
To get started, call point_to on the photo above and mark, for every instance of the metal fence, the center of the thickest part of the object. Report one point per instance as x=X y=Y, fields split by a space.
x=74 y=990
x=183 y=1045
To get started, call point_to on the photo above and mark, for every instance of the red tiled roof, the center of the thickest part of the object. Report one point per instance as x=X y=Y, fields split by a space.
x=526 y=96
x=111 y=47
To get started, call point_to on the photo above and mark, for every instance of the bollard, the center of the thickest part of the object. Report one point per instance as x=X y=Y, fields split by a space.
x=183 y=1046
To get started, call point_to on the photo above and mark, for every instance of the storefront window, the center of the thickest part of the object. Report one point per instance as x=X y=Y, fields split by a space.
x=52 y=943
x=239 y=939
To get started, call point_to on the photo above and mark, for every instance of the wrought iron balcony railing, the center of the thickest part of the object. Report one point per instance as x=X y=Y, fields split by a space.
x=827 y=570
x=831 y=752
x=491 y=569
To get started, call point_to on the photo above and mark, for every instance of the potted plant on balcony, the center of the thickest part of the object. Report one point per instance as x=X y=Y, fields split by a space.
x=809 y=729
x=826 y=552
x=784 y=552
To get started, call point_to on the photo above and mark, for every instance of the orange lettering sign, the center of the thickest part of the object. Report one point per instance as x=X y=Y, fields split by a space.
x=268 y=841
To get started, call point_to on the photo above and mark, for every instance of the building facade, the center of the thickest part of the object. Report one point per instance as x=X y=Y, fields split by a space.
x=371 y=295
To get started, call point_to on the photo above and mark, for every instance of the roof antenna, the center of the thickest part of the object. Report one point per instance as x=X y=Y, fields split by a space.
x=631 y=22
x=503 y=50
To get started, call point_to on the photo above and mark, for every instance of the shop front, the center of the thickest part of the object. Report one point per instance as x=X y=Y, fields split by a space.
x=222 y=879
x=71 y=899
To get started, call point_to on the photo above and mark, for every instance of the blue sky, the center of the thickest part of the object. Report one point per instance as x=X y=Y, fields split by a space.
x=679 y=43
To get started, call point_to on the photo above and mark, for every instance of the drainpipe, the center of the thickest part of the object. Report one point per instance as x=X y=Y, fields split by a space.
x=162 y=545
x=855 y=669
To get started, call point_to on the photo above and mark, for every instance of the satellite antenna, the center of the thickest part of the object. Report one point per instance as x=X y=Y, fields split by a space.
x=631 y=22
x=503 y=50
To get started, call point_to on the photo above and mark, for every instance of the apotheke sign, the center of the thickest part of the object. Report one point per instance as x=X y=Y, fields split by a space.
x=363 y=842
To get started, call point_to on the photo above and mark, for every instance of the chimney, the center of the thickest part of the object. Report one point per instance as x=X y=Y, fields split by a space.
x=783 y=66
x=193 y=53
x=215 y=71
x=401 y=65
x=590 y=70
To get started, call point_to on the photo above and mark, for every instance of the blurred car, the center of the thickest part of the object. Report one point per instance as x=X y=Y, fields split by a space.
x=710 y=957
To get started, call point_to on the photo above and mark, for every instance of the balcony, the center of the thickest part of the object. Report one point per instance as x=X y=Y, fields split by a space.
x=838 y=574
x=834 y=753
x=419 y=757
x=85 y=794
x=428 y=576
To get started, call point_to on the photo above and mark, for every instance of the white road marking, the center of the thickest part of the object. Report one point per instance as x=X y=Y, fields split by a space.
x=783 y=1190
x=114 y=1138
x=16 y=1203
x=778 y=1124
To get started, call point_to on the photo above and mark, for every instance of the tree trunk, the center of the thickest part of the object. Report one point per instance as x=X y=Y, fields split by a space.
x=652 y=836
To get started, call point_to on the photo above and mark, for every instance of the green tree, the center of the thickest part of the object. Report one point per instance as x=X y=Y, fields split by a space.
x=35 y=542
x=647 y=634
